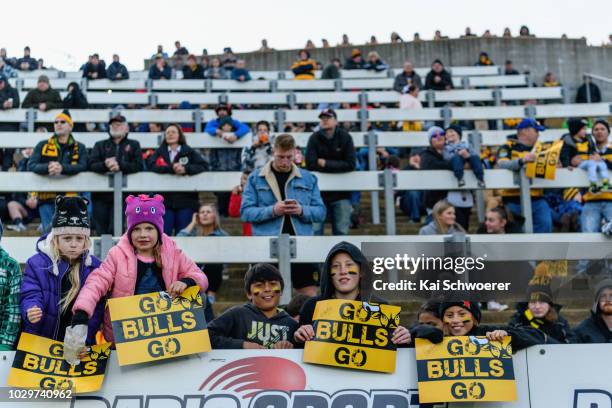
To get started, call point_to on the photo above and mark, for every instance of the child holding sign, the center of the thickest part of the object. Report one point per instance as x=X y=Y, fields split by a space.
x=144 y=260
x=57 y=273
x=258 y=324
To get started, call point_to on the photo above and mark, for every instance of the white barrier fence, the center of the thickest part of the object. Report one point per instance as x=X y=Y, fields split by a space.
x=575 y=376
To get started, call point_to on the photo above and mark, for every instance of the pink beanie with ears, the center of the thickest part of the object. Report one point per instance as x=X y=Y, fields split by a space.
x=145 y=209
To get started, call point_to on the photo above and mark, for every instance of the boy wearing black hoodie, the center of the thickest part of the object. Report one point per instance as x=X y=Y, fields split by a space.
x=259 y=324
x=347 y=275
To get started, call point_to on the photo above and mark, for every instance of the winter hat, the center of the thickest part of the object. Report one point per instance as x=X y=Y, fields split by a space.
x=457 y=129
x=539 y=290
x=602 y=122
x=70 y=216
x=65 y=114
x=262 y=272
x=472 y=307
x=355 y=53
x=143 y=208
x=604 y=284
x=575 y=124
x=43 y=78
x=224 y=106
x=434 y=131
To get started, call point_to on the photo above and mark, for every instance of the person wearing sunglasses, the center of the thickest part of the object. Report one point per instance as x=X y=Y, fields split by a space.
x=61 y=154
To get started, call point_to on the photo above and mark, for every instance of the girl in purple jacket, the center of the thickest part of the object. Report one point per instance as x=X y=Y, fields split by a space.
x=55 y=275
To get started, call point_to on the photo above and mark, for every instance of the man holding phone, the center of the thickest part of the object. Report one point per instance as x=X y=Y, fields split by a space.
x=281 y=198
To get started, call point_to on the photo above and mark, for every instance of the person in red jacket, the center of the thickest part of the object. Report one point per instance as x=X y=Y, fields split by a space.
x=236 y=201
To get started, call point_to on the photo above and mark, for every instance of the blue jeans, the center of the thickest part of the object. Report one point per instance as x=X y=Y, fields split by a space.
x=340 y=214
x=540 y=211
x=411 y=203
x=176 y=220
x=592 y=214
x=457 y=163
x=593 y=167
x=46 y=210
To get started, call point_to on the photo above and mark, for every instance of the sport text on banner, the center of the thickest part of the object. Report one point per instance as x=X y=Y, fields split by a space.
x=154 y=326
x=353 y=334
x=39 y=363
x=465 y=368
x=545 y=163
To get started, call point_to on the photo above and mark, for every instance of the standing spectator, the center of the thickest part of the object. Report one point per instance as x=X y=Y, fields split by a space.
x=524 y=32
x=160 y=70
x=550 y=80
x=12 y=62
x=95 y=69
x=174 y=156
x=443 y=220
x=193 y=70
x=310 y=45
x=43 y=97
x=116 y=70
x=75 y=99
x=406 y=78
x=509 y=68
x=281 y=198
x=373 y=41
x=40 y=64
x=487 y=34
x=325 y=43
x=484 y=60
x=432 y=158
x=597 y=328
x=438 y=35
x=331 y=150
x=410 y=101
x=438 y=79
x=216 y=71
x=304 y=67
x=468 y=33
x=458 y=153
x=332 y=70
x=598 y=205
x=516 y=153
x=206 y=223
x=236 y=202
x=180 y=50
x=228 y=59
x=160 y=52
x=355 y=61
x=59 y=155
x=6 y=69
x=10 y=287
x=260 y=152
x=26 y=63
x=507 y=33
x=114 y=154
x=395 y=38
x=240 y=73
x=582 y=96
x=416 y=37
x=264 y=46
x=375 y=63
x=345 y=41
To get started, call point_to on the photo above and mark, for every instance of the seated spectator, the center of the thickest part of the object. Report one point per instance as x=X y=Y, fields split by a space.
x=116 y=71
x=438 y=35
x=579 y=151
x=524 y=32
x=310 y=45
x=410 y=101
x=550 y=80
x=294 y=306
x=566 y=207
x=593 y=95
x=160 y=51
x=355 y=61
x=59 y=155
x=95 y=68
x=264 y=46
x=497 y=221
x=240 y=73
x=487 y=34
x=258 y=324
x=406 y=78
x=443 y=221
x=468 y=33
x=9 y=99
x=597 y=328
x=174 y=156
x=54 y=277
x=206 y=223
x=180 y=50
x=345 y=41
x=40 y=64
x=509 y=68
x=432 y=159
x=507 y=33
x=438 y=79
x=75 y=99
x=429 y=314
x=395 y=38
x=236 y=202
x=484 y=60
x=458 y=153
x=374 y=63
x=12 y=62
x=304 y=67
x=193 y=70
x=332 y=70
x=416 y=37
x=373 y=41
x=215 y=70
x=325 y=43
x=228 y=59
x=22 y=207
x=411 y=201
x=160 y=70
x=43 y=97
x=26 y=63
x=260 y=152
x=7 y=70
x=10 y=287
x=116 y=153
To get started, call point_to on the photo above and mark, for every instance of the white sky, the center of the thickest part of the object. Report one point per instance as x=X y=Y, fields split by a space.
x=65 y=32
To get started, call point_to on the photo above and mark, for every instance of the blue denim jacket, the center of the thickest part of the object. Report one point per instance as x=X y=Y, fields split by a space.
x=262 y=192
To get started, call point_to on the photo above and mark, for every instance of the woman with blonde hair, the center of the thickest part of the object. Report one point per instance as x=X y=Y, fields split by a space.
x=444 y=220
x=55 y=275
x=375 y=63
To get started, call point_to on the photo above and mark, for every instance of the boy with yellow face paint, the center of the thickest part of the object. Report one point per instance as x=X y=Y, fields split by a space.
x=259 y=323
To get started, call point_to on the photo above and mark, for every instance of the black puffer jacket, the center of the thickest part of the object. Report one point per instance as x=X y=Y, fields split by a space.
x=594 y=329
x=559 y=330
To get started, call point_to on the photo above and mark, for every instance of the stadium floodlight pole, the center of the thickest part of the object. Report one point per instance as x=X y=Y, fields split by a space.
x=525 y=190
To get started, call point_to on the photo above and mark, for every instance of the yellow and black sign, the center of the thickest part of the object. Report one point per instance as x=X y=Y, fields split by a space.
x=353 y=334
x=545 y=164
x=154 y=326
x=39 y=363
x=465 y=368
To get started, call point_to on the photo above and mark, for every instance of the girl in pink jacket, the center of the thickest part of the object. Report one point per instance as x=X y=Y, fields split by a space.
x=140 y=263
